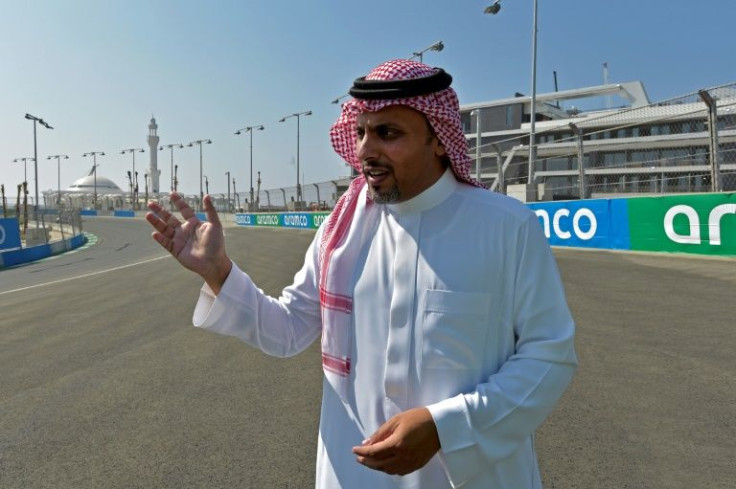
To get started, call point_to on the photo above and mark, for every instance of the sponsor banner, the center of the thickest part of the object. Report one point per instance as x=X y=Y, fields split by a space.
x=271 y=220
x=318 y=218
x=303 y=220
x=124 y=214
x=703 y=224
x=88 y=212
x=619 y=215
x=296 y=220
x=9 y=233
x=245 y=219
x=576 y=223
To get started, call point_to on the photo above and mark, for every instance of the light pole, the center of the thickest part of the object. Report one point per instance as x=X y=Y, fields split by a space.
x=201 y=193
x=236 y=196
x=493 y=9
x=35 y=158
x=250 y=129
x=206 y=184
x=25 y=165
x=297 y=115
x=176 y=178
x=94 y=154
x=337 y=100
x=171 y=147
x=228 y=190
x=438 y=46
x=134 y=192
x=58 y=176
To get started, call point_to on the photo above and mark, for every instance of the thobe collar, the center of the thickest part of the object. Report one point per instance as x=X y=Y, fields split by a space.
x=434 y=195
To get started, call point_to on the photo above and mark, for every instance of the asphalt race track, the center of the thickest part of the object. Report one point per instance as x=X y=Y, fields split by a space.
x=105 y=383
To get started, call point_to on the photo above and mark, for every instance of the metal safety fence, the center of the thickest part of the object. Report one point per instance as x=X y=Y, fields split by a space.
x=44 y=225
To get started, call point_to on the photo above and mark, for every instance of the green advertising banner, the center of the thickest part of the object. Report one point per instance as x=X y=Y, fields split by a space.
x=306 y=220
x=703 y=224
x=268 y=220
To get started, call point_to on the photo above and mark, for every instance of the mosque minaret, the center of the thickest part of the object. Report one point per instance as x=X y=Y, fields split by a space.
x=153 y=170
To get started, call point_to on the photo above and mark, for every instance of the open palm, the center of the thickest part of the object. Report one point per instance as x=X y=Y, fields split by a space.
x=198 y=246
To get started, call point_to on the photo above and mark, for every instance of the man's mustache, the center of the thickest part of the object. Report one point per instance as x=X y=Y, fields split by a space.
x=376 y=166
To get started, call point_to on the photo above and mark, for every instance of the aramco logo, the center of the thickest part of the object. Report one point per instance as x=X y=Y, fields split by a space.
x=692 y=236
x=562 y=228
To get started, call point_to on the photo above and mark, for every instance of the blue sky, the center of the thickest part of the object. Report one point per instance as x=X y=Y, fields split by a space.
x=97 y=70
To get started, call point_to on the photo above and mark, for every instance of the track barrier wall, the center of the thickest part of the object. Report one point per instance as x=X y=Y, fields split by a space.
x=701 y=223
x=17 y=256
x=9 y=233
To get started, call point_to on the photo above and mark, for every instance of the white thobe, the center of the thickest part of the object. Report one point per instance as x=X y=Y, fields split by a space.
x=458 y=307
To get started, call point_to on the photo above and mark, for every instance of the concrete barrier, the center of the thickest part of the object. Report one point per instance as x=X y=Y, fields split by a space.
x=14 y=257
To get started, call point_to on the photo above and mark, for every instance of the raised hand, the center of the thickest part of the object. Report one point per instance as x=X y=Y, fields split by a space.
x=198 y=246
x=402 y=444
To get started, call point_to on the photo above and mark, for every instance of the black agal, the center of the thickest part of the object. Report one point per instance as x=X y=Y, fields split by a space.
x=393 y=89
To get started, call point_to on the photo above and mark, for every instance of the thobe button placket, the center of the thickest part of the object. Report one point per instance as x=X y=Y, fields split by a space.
x=401 y=315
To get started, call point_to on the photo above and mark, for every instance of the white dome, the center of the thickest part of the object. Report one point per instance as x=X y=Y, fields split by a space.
x=86 y=185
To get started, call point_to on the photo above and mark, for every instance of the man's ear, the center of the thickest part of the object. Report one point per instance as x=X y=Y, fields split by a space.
x=439 y=148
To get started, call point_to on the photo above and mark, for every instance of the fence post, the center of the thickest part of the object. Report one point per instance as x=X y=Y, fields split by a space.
x=500 y=173
x=581 y=166
x=715 y=170
x=317 y=187
x=478 y=145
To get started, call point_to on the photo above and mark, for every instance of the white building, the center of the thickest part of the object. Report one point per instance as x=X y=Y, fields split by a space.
x=636 y=148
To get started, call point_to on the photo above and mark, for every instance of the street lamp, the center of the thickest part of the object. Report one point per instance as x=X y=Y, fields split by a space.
x=134 y=192
x=25 y=165
x=228 y=190
x=438 y=46
x=94 y=154
x=494 y=9
x=337 y=100
x=35 y=157
x=250 y=129
x=201 y=193
x=297 y=115
x=58 y=175
x=236 y=196
x=206 y=184
x=171 y=147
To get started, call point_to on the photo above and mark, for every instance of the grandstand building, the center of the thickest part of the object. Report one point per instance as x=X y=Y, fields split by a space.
x=638 y=147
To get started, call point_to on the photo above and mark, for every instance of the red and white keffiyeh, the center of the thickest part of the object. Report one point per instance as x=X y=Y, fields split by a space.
x=343 y=230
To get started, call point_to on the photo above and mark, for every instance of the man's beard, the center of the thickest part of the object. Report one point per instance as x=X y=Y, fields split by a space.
x=386 y=197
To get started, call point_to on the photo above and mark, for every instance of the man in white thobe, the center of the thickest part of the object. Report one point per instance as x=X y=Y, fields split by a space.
x=446 y=337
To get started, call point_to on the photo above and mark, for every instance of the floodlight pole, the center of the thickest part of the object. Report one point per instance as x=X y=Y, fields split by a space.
x=298 y=186
x=35 y=158
x=58 y=176
x=250 y=129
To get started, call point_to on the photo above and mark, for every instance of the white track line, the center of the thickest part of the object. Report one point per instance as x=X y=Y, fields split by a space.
x=85 y=275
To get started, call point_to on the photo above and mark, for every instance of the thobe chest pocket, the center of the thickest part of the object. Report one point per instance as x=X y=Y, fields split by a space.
x=454 y=329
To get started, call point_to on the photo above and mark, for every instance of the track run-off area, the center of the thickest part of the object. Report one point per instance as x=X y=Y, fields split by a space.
x=105 y=383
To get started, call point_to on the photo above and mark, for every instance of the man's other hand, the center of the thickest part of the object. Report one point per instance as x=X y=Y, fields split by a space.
x=402 y=445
